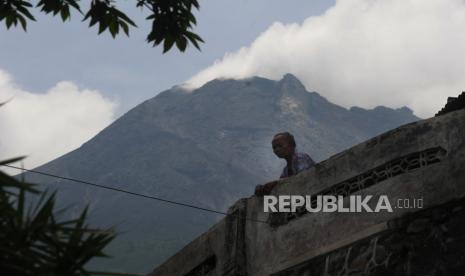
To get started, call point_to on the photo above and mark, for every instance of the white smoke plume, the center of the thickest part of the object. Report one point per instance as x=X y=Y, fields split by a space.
x=363 y=53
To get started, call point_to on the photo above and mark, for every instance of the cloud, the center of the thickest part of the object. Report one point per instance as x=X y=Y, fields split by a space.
x=364 y=53
x=47 y=125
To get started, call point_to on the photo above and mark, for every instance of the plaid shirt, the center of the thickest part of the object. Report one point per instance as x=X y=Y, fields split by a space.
x=300 y=162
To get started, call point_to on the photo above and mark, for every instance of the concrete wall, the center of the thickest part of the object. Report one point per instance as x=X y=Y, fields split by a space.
x=424 y=160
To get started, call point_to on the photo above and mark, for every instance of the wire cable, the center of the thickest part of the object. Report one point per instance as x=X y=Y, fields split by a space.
x=127 y=192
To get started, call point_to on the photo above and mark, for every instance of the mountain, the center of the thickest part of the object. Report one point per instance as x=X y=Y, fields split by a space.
x=207 y=147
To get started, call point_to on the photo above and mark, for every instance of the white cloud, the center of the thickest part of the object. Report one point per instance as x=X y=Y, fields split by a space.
x=47 y=125
x=363 y=53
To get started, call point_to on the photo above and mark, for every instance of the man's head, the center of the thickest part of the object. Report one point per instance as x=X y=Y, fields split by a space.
x=283 y=145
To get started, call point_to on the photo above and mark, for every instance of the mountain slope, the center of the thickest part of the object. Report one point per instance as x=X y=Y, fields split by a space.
x=208 y=147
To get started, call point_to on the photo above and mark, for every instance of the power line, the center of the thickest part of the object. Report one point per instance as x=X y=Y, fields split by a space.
x=127 y=192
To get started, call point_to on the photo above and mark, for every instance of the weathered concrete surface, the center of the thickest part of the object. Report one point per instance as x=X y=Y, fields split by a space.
x=428 y=242
x=419 y=160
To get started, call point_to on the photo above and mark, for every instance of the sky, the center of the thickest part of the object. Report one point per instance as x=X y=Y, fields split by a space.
x=64 y=84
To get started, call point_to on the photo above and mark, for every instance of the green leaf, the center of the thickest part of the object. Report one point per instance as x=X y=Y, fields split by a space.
x=26 y=13
x=12 y=160
x=65 y=13
x=9 y=21
x=169 y=41
x=8 y=181
x=4 y=103
x=193 y=38
x=23 y=22
x=181 y=43
x=21 y=206
x=192 y=19
x=88 y=14
x=152 y=16
x=78 y=229
x=123 y=16
x=25 y=3
x=36 y=243
x=113 y=27
x=196 y=4
x=75 y=5
x=102 y=27
x=125 y=27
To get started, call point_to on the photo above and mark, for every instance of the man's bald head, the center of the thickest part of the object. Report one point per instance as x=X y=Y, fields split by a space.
x=283 y=145
x=289 y=137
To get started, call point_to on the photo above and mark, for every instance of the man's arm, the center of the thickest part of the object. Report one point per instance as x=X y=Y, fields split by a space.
x=265 y=189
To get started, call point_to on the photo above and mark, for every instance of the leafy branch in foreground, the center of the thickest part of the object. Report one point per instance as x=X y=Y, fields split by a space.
x=33 y=241
x=172 y=20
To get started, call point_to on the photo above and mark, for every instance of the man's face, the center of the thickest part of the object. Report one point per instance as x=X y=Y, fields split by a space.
x=281 y=147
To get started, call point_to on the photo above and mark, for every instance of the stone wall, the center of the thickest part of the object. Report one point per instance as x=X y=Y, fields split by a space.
x=429 y=242
x=424 y=160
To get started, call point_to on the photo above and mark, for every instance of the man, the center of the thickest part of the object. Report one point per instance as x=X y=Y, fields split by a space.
x=284 y=147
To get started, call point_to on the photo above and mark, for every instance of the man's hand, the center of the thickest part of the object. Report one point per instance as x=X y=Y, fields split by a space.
x=265 y=189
